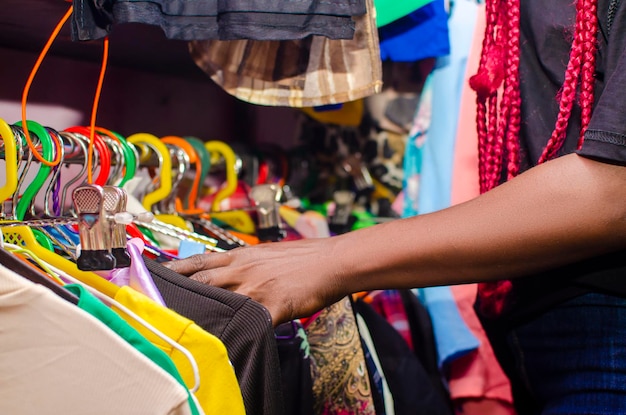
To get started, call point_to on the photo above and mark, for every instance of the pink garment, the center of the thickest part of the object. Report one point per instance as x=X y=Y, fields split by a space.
x=478 y=374
x=137 y=275
x=465 y=170
x=478 y=386
x=483 y=407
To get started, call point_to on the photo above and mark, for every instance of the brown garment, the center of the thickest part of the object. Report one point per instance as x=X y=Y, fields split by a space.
x=302 y=73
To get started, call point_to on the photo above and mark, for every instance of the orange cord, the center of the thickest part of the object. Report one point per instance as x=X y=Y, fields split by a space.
x=94 y=109
x=29 y=81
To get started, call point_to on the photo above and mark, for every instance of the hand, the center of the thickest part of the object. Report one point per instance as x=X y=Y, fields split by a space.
x=291 y=279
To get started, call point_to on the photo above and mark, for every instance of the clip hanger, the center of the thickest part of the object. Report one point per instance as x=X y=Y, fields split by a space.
x=266 y=198
x=94 y=229
x=115 y=202
x=342 y=220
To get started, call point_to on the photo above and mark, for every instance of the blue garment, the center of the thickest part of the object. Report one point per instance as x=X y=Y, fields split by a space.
x=452 y=336
x=432 y=163
x=419 y=35
x=572 y=359
x=447 y=85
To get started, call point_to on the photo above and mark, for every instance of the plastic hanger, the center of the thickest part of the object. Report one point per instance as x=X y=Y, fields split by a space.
x=182 y=234
x=179 y=230
x=23 y=236
x=49 y=193
x=239 y=220
x=44 y=170
x=143 y=140
x=37 y=237
x=217 y=149
x=181 y=163
x=130 y=155
x=191 y=214
x=78 y=141
x=10 y=160
x=103 y=150
x=165 y=208
x=117 y=162
x=21 y=250
x=31 y=273
x=54 y=234
x=187 y=204
x=205 y=159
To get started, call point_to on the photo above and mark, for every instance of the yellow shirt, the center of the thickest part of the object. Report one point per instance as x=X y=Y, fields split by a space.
x=219 y=392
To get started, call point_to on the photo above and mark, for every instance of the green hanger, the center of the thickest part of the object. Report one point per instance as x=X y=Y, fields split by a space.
x=204 y=154
x=44 y=171
x=130 y=155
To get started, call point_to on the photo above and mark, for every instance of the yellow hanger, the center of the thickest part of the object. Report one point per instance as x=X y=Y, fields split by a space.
x=238 y=220
x=23 y=236
x=165 y=211
x=165 y=167
x=16 y=249
x=10 y=159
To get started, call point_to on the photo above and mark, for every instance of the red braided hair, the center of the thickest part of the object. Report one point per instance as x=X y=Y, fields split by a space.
x=498 y=118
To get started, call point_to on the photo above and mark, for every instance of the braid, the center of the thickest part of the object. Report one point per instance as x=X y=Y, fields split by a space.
x=589 y=41
x=486 y=83
x=498 y=128
x=481 y=126
x=511 y=88
x=494 y=146
x=581 y=46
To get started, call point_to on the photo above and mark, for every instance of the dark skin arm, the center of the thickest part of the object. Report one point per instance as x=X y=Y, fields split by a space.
x=559 y=212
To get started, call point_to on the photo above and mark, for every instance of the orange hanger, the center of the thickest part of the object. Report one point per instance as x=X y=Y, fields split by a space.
x=195 y=159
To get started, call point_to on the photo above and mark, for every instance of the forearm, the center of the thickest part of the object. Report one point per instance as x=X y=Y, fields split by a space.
x=565 y=210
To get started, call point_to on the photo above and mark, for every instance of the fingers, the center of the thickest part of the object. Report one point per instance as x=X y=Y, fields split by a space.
x=212 y=277
x=197 y=263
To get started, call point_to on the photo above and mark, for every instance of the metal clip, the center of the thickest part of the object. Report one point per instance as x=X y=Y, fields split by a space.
x=266 y=198
x=115 y=202
x=93 y=229
x=354 y=167
x=341 y=221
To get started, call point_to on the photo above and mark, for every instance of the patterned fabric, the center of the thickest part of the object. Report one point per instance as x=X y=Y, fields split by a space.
x=340 y=379
x=302 y=73
x=389 y=304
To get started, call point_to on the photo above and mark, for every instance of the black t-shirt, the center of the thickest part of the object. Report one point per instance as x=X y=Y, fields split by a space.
x=547 y=28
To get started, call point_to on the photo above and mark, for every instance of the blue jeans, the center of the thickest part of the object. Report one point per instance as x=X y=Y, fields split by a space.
x=572 y=359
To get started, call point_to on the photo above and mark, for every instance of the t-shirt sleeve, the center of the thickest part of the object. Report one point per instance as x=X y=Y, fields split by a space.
x=605 y=138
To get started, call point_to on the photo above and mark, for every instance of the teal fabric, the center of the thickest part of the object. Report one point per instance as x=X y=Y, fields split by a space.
x=389 y=10
x=89 y=303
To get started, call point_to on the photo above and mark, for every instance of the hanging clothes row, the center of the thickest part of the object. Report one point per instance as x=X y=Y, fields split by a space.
x=191 y=347
x=193 y=322
x=318 y=365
